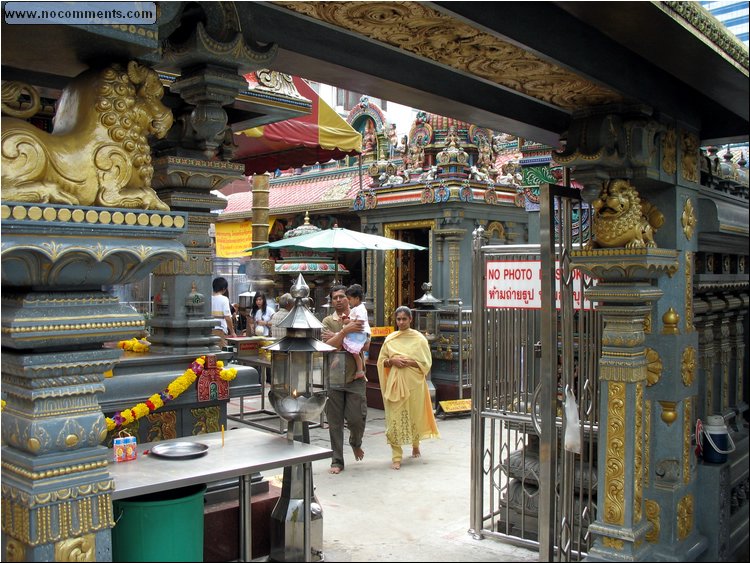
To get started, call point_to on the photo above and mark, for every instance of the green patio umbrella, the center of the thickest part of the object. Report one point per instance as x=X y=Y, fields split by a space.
x=338 y=240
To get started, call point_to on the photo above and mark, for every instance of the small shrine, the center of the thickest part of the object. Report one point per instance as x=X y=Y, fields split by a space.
x=210 y=386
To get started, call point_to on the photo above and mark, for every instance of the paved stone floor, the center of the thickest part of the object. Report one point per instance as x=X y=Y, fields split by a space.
x=419 y=513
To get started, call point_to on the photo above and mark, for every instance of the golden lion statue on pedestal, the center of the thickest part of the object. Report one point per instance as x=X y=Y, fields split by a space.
x=622 y=219
x=98 y=152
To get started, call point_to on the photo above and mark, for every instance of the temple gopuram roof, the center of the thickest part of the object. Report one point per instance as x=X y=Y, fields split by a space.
x=440 y=152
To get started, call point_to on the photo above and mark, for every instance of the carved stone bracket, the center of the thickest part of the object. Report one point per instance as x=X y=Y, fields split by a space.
x=620 y=264
x=609 y=141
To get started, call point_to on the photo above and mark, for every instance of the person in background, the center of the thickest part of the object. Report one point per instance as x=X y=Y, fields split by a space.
x=241 y=324
x=286 y=303
x=348 y=404
x=403 y=364
x=261 y=315
x=221 y=309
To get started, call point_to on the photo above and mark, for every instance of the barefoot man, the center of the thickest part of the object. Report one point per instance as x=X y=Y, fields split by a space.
x=349 y=403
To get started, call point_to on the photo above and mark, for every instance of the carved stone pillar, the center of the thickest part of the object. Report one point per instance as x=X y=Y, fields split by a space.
x=207 y=88
x=209 y=56
x=704 y=326
x=56 y=489
x=725 y=351
x=185 y=184
x=449 y=234
x=624 y=301
x=737 y=337
x=640 y=173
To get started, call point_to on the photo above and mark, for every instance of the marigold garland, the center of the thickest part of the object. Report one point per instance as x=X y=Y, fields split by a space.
x=172 y=391
x=135 y=345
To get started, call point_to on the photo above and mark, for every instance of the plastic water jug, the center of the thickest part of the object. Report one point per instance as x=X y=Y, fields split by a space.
x=714 y=439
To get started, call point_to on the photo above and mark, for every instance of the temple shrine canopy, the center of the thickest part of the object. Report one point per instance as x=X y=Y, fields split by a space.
x=319 y=136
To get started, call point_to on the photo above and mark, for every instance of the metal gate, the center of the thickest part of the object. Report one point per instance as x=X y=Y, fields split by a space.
x=535 y=340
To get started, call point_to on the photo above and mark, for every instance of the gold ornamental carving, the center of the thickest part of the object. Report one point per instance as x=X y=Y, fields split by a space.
x=689 y=221
x=163 y=426
x=684 y=517
x=709 y=28
x=689 y=364
x=614 y=481
x=653 y=511
x=647 y=323
x=495 y=230
x=638 y=455
x=623 y=219
x=668 y=411
x=669 y=151
x=195 y=265
x=687 y=429
x=671 y=320
x=690 y=147
x=59 y=515
x=76 y=549
x=12 y=94
x=33 y=213
x=98 y=153
x=613 y=543
x=454 y=259
x=647 y=444
x=15 y=551
x=206 y=420
x=654 y=367
x=419 y=29
x=277 y=82
x=689 y=260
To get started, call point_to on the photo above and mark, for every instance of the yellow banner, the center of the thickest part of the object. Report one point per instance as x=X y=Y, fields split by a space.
x=233 y=238
x=381 y=330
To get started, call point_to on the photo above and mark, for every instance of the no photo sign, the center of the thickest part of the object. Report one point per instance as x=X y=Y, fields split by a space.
x=517 y=284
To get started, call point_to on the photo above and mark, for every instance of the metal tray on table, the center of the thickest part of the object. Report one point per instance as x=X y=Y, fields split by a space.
x=179 y=450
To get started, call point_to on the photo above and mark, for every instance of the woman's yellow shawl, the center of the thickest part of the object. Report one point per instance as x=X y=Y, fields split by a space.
x=396 y=384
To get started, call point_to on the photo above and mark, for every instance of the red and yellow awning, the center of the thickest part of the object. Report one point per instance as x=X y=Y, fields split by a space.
x=318 y=137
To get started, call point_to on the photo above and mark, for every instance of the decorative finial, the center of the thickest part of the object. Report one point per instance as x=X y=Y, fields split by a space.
x=300 y=289
x=671 y=319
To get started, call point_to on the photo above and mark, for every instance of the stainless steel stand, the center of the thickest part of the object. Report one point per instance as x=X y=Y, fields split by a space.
x=293 y=539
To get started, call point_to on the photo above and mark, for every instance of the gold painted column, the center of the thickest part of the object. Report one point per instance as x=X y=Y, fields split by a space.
x=260 y=269
x=625 y=296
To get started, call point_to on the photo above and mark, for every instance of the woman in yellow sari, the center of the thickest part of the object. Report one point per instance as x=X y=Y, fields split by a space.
x=403 y=365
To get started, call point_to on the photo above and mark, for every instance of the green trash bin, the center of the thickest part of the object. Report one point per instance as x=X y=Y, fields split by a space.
x=165 y=526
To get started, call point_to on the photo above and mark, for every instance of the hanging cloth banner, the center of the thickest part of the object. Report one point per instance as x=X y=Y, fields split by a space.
x=233 y=238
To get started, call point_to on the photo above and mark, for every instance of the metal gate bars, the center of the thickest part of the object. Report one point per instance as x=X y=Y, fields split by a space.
x=536 y=340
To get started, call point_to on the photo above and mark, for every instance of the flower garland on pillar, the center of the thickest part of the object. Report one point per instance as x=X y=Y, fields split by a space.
x=172 y=391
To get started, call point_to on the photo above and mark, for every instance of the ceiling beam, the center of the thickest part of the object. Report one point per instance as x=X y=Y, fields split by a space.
x=319 y=52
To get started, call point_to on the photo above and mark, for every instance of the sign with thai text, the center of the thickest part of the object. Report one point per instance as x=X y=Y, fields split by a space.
x=517 y=284
x=232 y=239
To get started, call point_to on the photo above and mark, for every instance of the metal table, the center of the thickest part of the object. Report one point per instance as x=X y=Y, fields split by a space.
x=245 y=451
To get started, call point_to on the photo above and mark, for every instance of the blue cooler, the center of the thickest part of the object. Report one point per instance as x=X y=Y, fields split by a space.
x=716 y=442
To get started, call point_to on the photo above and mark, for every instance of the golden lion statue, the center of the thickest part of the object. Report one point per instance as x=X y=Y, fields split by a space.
x=622 y=219
x=98 y=152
